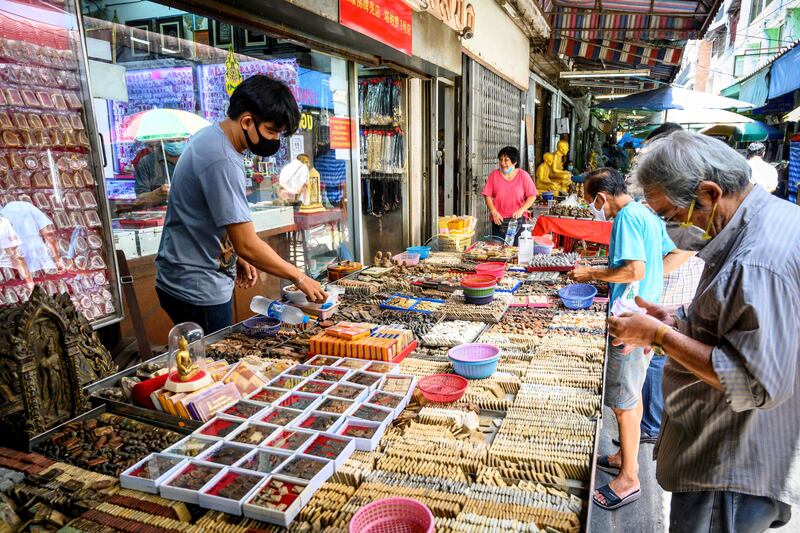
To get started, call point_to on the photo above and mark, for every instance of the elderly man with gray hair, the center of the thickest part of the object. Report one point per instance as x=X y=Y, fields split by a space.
x=730 y=438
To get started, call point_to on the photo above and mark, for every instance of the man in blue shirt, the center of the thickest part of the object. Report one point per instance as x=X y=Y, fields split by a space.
x=636 y=263
x=209 y=239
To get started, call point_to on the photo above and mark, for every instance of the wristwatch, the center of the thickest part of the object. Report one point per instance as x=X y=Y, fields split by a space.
x=658 y=339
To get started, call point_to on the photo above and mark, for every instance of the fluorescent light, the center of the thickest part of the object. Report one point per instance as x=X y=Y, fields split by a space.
x=610 y=96
x=576 y=74
x=510 y=10
x=607 y=85
x=417 y=5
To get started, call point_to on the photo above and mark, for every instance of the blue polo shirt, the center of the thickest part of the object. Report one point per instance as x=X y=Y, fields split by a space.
x=638 y=235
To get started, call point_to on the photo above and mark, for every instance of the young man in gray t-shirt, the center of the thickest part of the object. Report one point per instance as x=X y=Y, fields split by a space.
x=209 y=239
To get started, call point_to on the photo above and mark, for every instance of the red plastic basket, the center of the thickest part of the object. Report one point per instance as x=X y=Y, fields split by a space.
x=478 y=281
x=443 y=388
x=495 y=269
x=392 y=515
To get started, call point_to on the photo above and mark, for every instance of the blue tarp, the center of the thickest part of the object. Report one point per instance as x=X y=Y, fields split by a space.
x=794 y=171
x=755 y=89
x=785 y=73
x=776 y=106
x=628 y=138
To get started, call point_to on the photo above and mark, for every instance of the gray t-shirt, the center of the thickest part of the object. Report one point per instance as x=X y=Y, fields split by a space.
x=150 y=173
x=196 y=261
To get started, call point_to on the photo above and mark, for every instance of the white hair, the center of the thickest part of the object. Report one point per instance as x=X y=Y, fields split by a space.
x=676 y=164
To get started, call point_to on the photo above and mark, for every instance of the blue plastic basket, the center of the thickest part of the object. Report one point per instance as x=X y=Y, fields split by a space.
x=261 y=326
x=578 y=295
x=423 y=251
x=482 y=300
x=475 y=370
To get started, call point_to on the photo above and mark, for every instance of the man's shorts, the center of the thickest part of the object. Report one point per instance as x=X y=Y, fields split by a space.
x=625 y=375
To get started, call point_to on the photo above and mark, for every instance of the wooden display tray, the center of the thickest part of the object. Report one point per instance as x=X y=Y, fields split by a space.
x=399 y=357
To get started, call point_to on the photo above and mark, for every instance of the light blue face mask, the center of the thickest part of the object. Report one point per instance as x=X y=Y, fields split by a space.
x=174 y=148
x=509 y=171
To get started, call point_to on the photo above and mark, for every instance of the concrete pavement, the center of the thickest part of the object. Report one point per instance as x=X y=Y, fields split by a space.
x=650 y=513
x=647 y=514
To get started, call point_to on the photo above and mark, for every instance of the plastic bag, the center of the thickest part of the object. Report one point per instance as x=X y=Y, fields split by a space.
x=627 y=302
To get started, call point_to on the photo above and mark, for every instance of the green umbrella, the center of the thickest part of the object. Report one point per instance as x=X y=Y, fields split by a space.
x=161 y=125
x=745 y=132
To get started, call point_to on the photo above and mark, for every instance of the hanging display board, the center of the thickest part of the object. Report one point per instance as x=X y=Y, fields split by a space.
x=387 y=21
x=340 y=133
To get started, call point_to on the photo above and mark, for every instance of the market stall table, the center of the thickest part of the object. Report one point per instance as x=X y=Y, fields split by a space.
x=573 y=228
x=527 y=431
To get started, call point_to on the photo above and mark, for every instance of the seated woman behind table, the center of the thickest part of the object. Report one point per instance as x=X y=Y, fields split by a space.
x=509 y=192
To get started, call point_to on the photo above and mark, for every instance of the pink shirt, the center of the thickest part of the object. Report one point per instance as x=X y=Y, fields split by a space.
x=508 y=196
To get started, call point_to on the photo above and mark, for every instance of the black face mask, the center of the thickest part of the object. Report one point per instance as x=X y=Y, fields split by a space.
x=264 y=147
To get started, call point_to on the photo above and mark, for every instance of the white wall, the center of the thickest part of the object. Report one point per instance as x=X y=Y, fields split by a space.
x=499 y=43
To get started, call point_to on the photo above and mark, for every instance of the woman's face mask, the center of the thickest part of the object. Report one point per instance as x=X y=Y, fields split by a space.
x=599 y=214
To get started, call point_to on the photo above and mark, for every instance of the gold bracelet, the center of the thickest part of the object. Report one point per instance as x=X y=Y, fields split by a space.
x=658 y=339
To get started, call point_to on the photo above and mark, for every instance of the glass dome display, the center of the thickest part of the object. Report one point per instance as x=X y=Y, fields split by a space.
x=187 y=358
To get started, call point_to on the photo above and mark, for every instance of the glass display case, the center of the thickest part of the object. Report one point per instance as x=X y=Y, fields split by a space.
x=176 y=60
x=55 y=228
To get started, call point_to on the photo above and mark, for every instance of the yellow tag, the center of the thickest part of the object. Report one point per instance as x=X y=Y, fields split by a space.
x=233 y=76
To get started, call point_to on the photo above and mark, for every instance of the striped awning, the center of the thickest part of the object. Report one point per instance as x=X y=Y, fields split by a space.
x=632 y=33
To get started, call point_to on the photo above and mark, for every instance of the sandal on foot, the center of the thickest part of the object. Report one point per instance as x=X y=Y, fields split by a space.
x=605 y=466
x=613 y=501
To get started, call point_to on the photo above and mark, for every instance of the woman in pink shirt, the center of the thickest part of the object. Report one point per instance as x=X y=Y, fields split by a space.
x=509 y=192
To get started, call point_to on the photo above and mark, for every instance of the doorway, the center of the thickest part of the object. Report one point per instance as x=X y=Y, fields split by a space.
x=443 y=148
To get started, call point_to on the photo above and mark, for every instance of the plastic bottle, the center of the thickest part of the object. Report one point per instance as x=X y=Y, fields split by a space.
x=511 y=232
x=525 y=245
x=285 y=313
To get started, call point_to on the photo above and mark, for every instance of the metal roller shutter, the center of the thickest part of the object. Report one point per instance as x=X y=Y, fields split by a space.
x=493 y=114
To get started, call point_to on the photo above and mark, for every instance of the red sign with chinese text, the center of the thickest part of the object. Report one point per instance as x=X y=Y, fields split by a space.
x=387 y=21
x=340 y=133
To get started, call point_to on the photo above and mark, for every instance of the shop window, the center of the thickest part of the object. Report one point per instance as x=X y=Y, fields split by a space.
x=54 y=231
x=383 y=138
x=756 y=7
x=718 y=44
x=171 y=59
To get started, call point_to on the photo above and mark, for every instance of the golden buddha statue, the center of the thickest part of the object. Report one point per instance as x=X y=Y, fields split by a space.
x=543 y=181
x=187 y=368
x=557 y=173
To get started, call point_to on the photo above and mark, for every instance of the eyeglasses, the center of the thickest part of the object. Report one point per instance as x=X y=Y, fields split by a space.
x=665 y=218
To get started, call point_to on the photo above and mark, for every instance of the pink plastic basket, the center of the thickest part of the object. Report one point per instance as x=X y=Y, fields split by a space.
x=495 y=269
x=443 y=388
x=392 y=515
x=473 y=353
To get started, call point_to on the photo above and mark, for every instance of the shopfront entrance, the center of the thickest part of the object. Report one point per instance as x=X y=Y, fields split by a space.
x=492 y=110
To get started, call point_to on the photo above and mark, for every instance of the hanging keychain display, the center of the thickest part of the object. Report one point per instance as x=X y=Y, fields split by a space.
x=382 y=139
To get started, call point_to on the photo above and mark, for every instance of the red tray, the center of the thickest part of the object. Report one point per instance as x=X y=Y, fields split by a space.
x=139 y=224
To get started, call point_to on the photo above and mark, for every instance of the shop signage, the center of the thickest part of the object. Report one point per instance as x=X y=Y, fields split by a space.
x=340 y=133
x=387 y=21
x=306 y=121
x=457 y=14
